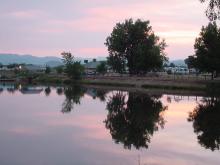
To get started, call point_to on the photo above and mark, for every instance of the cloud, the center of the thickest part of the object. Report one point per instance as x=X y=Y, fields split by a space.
x=27 y=14
x=82 y=27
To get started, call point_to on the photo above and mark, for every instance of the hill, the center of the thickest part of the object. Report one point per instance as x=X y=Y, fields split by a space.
x=6 y=59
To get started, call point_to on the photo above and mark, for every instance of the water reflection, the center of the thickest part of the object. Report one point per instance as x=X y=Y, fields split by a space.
x=206 y=123
x=101 y=94
x=73 y=95
x=132 y=121
x=47 y=91
x=60 y=91
x=31 y=90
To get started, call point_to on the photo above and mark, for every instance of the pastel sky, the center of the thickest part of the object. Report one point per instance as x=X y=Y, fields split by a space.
x=48 y=27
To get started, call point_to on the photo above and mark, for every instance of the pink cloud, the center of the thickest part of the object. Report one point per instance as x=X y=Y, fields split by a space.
x=27 y=14
x=24 y=131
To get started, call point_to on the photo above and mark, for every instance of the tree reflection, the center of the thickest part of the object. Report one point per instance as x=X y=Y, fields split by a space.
x=73 y=95
x=47 y=91
x=59 y=91
x=206 y=123
x=132 y=121
x=1 y=90
x=101 y=94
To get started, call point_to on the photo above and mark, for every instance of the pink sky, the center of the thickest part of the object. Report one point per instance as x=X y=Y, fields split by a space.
x=48 y=27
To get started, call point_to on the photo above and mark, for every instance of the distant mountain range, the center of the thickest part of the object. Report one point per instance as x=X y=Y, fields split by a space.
x=6 y=59
x=52 y=61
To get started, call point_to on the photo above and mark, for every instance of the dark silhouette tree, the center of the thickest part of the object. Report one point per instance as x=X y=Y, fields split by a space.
x=133 y=121
x=47 y=91
x=213 y=10
x=190 y=62
x=101 y=94
x=172 y=65
x=134 y=45
x=48 y=70
x=59 y=69
x=207 y=50
x=206 y=123
x=60 y=90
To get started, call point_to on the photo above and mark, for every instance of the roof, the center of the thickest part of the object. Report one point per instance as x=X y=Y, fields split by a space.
x=92 y=65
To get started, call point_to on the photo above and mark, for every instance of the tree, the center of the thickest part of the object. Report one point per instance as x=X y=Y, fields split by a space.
x=48 y=70
x=102 y=68
x=59 y=69
x=207 y=50
x=190 y=62
x=134 y=45
x=67 y=58
x=72 y=68
x=172 y=65
x=213 y=10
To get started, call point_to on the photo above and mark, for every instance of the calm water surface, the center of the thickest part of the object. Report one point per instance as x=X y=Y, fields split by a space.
x=84 y=126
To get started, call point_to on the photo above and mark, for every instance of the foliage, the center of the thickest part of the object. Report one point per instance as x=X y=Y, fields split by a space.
x=73 y=95
x=213 y=10
x=60 y=91
x=190 y=62
x=101 y=68
x=75 y=70
x=48 y=70
x=133 y=121
x=59 y=69
x=206 y=121
x=207 y=50
x=72 y=68
x=47 y=91
x=67 y=58
x=11 y=66
x=134 y=45
x=172 y=65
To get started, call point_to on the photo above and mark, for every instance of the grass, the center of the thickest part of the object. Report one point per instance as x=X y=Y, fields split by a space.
x=118 y=83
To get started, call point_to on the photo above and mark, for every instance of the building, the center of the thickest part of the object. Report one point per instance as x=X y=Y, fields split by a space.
x=90 y=67
x=34 y=68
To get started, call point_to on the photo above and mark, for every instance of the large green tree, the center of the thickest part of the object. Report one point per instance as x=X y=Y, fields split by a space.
x=133 y=45
x=207 y=50
x=213 y=10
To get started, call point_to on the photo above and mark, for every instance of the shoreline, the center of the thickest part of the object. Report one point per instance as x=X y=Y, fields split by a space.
x=140 y=84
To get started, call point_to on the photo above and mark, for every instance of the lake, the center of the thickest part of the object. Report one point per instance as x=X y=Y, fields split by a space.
x=43 y=125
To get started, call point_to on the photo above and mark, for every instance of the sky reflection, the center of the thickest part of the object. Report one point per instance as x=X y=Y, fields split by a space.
x=33 y=130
